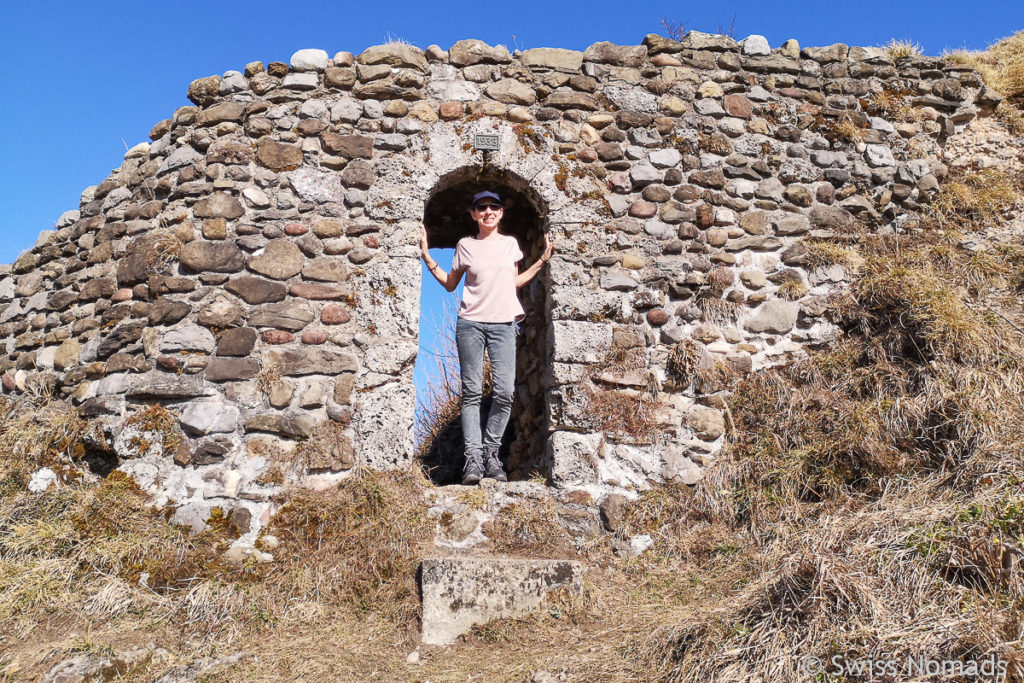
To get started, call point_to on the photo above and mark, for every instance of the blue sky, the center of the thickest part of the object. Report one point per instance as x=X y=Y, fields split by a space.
x=83 y=80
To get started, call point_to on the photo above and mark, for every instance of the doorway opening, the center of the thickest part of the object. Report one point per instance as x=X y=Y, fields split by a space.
x=438 y=411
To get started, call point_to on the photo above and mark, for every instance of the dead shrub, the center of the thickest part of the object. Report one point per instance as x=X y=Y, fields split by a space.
x=619 y=395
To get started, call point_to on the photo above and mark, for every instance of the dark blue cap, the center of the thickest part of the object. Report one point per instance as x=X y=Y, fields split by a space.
x=486 y=195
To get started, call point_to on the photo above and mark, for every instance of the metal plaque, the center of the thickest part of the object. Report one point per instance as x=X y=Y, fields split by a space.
x=485 y=141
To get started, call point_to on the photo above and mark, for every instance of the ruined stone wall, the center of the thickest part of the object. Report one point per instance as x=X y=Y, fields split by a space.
x=254 y=269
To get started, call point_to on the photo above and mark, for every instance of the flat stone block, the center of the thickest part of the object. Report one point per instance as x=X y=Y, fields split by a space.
x=459 y=593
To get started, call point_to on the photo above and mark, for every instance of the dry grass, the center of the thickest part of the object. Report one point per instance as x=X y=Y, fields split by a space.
x=975 y=199
x=793 y=289
x=327 y=448
x=99 y=556
x=889 y=104
x=935 y=323
x=620 y=396
x=688 y=367
x=828 y=253
x=53 y=545
x=848 y=131
x=37 y=433
x=156 y=419
x=872 y=491
x=1011 y=117
x=530 y=529
x=1001 y=66
x=848 y=589
x=359 y=543
x=898 y=49
x=166 y=245
x=716 y=310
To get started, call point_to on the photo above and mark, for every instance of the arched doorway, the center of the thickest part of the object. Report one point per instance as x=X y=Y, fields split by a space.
x=447 y=221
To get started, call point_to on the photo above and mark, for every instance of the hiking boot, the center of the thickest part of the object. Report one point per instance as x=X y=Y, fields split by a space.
x=473 y=472
x=492 y=465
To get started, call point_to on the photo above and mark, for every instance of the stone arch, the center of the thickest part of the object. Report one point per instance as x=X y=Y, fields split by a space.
x=447 y=221
x=443 y=159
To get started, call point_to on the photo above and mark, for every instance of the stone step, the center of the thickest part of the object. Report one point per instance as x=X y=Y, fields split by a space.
x=461 y=592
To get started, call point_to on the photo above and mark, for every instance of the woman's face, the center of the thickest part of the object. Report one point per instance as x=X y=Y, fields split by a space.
x=487 y=213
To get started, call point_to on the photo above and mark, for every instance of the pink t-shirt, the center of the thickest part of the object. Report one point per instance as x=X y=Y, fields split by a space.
x=489 y=294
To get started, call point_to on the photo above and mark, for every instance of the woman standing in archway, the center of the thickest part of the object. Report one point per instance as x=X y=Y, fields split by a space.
x=489 y=318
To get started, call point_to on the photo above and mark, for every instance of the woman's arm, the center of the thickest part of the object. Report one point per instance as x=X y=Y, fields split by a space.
x=531 y=272
x=448 y=280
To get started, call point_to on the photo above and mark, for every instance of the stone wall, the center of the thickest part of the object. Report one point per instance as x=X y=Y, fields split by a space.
x=253 y=271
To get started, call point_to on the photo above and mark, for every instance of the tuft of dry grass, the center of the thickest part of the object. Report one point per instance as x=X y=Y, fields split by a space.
x=1011 y=117
x=848 y=131
x=793 y=289
x=360 y=543
x=933 y=322
x=889 y=104
x=975 y=199
x=899 y=49
x=716 y=310
x=166 y=245
x=38 y=432
x=687 y=366
x=530 y=529
x=822 y=253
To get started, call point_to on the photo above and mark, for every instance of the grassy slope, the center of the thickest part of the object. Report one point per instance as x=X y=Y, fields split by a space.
x=869 y=504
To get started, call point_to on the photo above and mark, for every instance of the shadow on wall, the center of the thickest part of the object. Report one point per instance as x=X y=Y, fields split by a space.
x=447 y=219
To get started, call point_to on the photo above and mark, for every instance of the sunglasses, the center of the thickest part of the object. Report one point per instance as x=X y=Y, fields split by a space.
x=492 y=207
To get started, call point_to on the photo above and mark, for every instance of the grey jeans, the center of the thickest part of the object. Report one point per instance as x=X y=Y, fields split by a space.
x=499 y=339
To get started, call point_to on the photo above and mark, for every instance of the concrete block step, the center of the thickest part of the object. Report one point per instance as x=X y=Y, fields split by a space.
x=460 y=592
